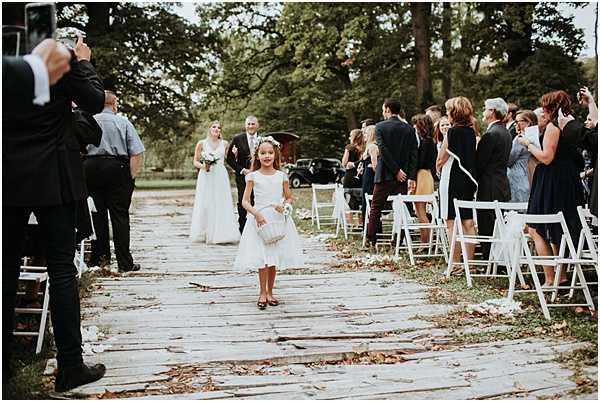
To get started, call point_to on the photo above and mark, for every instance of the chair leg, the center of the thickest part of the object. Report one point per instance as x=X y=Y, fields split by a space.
x=451 y=254
x=43 y=318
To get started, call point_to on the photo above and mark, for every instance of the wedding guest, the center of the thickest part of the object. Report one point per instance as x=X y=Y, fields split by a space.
x=369 y=166
x=427 y=155
x=440 y=130
x=397 y=162
x=492 y=155
x=434 y=112
x=351 y=181
x=239 y=158
x=35 y=178
x=519 y=158
x=510 y=119
x=457 y=163
x=556 y=185
x=273 y=197
x=111 y=169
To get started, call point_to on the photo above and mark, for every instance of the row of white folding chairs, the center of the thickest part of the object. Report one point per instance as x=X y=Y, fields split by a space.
x=498 y=253
x=323 y=212
x=568 y=256
x=511 y=248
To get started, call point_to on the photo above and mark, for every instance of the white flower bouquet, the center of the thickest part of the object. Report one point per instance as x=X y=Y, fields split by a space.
x=208 y=159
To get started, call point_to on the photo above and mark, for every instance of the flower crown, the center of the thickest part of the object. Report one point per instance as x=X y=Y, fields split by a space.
x=270 y=140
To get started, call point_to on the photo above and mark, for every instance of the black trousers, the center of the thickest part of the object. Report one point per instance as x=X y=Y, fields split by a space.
x=380 y=194
x=110 y=184
x=57 y=224
x=240 y=182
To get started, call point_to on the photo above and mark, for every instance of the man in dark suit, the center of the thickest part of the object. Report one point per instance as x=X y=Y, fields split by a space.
x=239 y=158
x=37 y=178
x=396 y=165
x=492 y=155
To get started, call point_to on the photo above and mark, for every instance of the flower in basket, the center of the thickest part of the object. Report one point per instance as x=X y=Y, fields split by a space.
x=287 y=209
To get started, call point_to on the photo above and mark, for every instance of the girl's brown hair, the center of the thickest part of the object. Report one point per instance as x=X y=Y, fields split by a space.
x=424 y=125
x=460 y=111
x=255 y=165
x=552 y=101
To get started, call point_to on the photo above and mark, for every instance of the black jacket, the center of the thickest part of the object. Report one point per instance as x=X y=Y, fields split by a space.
x=240 y=141
x=17 y=84
x=397 y=144
x=492 y=155
x=427 y=156
x=37 y=142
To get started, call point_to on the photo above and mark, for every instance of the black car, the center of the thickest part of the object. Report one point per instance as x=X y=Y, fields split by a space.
x=318 y=170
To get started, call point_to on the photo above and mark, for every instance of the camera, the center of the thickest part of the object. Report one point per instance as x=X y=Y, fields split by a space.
x=40 y=24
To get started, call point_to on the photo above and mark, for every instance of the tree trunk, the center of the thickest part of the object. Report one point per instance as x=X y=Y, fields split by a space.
x=421 y=16
x=447 y=50
x=519 y=43
x=99 y=20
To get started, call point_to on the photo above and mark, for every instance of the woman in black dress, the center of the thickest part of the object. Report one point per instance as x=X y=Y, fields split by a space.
x=427 y=155
x=456 y=160
x=368 y=165
x=556 y=184
x=351 y=181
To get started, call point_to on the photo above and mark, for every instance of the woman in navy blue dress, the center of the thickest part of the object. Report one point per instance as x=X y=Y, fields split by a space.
x=556 y=184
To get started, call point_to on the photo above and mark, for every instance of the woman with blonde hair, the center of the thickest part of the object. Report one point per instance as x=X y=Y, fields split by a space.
x=457 y=163
x=213 y=220
x=351 y=181
x=368 y=165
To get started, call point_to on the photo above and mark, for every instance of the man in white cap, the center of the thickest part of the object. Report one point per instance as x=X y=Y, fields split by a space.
x=492 y=155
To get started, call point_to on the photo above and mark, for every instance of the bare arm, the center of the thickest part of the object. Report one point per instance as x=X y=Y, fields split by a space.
x=135 y=161
x=443 y=155
x=374 y=154
x=197 y=154
x=260 y=219
x=345 y=158
x=287 y=193
x=546 y=155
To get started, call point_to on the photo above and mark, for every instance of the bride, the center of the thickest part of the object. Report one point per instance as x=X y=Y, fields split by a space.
x=213 y=220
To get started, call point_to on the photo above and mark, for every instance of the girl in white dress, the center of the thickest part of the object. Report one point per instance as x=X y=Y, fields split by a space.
x=271 y=194
x=213 y=219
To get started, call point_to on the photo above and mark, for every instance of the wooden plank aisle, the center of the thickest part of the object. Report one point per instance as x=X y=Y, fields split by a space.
x=187 y=326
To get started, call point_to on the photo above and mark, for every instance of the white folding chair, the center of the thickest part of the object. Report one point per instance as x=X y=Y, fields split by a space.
x=318 y=207
x=80 y=254
x=343 y=213
x=436 y=246
x=459 y=236
x=388 y=224
x=38 y=275
x=567 y=254
x=587 y=247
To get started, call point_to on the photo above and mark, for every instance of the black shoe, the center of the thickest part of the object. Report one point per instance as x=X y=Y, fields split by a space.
x=72 y=377
x=134 y=267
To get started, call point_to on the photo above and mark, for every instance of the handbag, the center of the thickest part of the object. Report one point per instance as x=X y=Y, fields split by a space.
x=272 y=232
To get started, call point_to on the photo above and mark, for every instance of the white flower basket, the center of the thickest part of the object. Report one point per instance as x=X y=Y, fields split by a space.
x=272 y=232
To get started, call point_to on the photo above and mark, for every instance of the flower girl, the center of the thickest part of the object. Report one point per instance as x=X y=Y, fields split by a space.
x=269 y=239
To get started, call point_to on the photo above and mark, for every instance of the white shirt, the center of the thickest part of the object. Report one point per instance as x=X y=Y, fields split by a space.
x=41 y=81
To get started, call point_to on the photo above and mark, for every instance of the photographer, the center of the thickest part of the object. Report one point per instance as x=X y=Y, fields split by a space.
x=27 y=80
x=37 y=178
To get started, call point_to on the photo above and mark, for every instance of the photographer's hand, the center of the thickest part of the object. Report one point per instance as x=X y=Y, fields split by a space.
x=82 y=51
x=55 y=56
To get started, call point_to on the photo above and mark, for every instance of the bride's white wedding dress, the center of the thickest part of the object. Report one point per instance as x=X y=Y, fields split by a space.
x=213 y=219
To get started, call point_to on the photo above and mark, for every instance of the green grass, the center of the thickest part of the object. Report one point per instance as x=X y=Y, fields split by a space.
x=165 y=184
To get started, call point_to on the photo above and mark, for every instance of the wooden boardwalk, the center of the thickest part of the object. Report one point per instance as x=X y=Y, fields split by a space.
x=187 y=326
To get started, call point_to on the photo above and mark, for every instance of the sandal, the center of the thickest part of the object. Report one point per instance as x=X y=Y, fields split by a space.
x=273 y=302
x=261 y=305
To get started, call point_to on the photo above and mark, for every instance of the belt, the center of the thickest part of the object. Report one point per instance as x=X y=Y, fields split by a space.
x=106 y=156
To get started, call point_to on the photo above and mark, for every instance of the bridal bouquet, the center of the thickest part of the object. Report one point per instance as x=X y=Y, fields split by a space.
x=209 y=158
